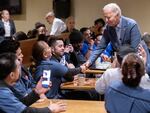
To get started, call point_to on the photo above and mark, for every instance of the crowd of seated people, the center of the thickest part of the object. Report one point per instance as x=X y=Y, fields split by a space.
x=57 y=47
x=66 y=58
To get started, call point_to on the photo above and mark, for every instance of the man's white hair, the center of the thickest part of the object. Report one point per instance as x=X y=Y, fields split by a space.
x=51 y=13
x=113 y=7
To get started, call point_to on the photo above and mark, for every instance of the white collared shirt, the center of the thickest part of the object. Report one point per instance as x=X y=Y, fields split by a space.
x=58 y=27
x=7 y=28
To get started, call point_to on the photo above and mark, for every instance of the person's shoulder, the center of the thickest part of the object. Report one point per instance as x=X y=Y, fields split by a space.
x=58 y=20
x=5 y=91
x=117 y=85
x=56 y=64
x=113 y=70
x=128 y=20
x=138 y=93
x=42 y=65
x=143 y=94
x=58 y=68
x=53 y=62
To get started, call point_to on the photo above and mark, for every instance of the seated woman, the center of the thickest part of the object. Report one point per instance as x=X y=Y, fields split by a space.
x=127 y=96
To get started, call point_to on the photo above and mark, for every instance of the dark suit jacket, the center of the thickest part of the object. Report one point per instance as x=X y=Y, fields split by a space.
x=130 y=35
x=12 y=27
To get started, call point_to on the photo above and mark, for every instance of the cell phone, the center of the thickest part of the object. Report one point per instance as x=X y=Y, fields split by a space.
x=46 y=78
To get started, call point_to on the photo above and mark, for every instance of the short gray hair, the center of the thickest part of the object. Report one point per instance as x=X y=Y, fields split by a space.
x=51 y=13
x=113 y=7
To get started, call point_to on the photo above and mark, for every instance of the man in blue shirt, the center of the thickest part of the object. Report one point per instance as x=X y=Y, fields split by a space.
x=9 y=75
x=25 y=83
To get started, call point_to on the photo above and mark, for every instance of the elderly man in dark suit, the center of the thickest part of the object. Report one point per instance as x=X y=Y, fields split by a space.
x=119 y=31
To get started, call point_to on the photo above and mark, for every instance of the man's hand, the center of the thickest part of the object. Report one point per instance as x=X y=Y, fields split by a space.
x=142 y=53
x=70 y=65
x=58 y=107
x=83 y=68
x=41 y=90
x=105 y=58
x=87 y=64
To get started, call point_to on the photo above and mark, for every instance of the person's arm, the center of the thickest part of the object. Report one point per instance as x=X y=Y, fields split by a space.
x=56 y=26
x=90 y=49
x=13 y=27
x=109 y=50
x=73 y=71
x=99 y=49
x=102 y=83
x=143 y=49
x=135 y=36
x=36 y=110
x=107 y=53
x=53 y=29
x=30 y=98
x=52 y=108
x=35 y=94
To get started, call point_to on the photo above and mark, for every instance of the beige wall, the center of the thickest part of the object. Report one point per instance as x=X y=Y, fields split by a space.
x=33 y=11
x=137 y=9
x=85 y=12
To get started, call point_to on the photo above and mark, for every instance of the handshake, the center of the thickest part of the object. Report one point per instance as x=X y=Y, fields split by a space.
x=85 y=66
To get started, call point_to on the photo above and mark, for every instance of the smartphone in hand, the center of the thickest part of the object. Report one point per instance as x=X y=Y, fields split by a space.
x=46 y=78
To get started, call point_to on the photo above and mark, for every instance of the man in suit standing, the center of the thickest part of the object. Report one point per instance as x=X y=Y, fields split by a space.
x=7 y=25
x=119 y=30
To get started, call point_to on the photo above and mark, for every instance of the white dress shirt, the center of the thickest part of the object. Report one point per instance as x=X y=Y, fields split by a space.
x=7 y=28
x=113 y=75
x=58 y=27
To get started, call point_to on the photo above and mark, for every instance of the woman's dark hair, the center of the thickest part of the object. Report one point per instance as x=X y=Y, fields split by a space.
x=76 y=37
x=99 y=20
x=83 y=29
x=32 y=33
x=52 y=40
x=39 y=24
x=132 y=69
x=37 y=51
x=7 y=64
x=20 y=35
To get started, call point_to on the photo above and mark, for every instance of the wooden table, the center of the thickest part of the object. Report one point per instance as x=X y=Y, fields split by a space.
x=94 y=71
x=78 y=106
x=86 y=86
